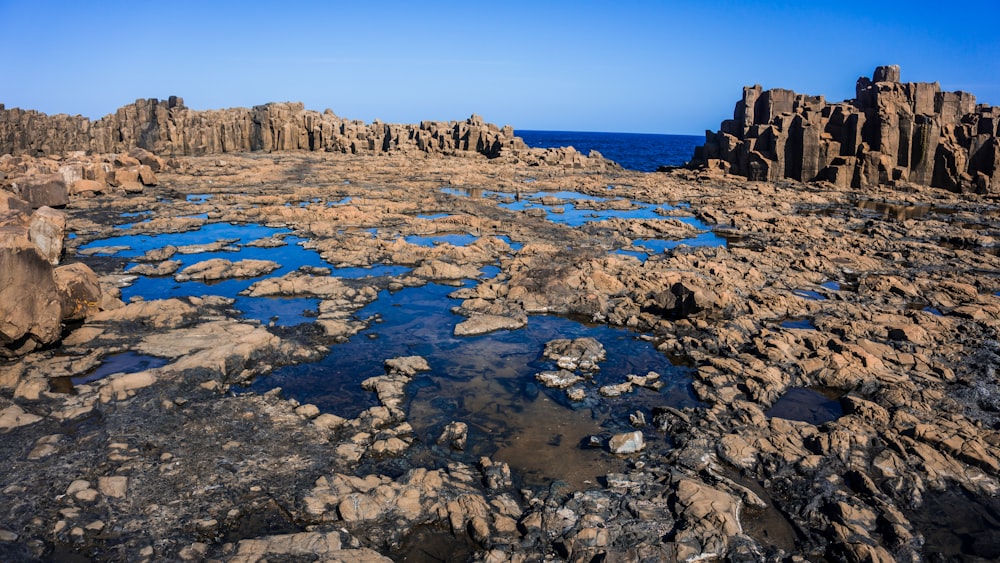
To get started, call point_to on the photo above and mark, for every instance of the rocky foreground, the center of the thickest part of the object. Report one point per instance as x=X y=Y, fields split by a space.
x=170 y=463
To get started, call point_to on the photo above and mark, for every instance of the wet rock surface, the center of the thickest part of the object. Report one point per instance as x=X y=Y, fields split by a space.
x=179 y=461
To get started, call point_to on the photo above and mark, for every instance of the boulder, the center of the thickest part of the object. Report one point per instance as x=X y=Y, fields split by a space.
x=10 y=203
x=627 y=443
x=44 y=190
x=148 y=159
x=47 y=229
x=678 y=302
x=455 y=434
x=30 y=304
x=558 y=379
x=146 y=175
x=85 y=187
x=126 y=179
x=79 y=291
x=482 y=324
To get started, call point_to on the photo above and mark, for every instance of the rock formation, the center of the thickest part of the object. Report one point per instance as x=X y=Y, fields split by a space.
x=172 y=463
x=892 y=133
x=167 y=127
x=36 y=296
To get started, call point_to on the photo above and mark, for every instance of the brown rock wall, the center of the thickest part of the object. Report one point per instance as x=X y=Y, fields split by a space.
x=168 y=127
x=892 y=133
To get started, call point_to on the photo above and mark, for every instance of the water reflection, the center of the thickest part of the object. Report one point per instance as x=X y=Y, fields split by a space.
x=126 y=362
x=575 y=209
x=806 y=405
x=452 y=239
x=242 y=242
x=488 y=382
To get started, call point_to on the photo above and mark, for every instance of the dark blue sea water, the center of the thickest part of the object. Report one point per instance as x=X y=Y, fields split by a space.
x=644 y=152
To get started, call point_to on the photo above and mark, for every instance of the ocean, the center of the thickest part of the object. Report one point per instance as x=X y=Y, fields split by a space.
x=644 y=152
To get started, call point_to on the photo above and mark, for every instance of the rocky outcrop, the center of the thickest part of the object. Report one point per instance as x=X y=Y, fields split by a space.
x=52 y=181
x=891 y=133
x=36 y=294
x=168 y=127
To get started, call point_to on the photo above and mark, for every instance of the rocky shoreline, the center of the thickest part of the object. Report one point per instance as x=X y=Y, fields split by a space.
x=894 y=291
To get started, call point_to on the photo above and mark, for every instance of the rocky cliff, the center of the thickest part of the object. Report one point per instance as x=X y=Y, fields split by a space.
x=167 y=127
x=891 y=133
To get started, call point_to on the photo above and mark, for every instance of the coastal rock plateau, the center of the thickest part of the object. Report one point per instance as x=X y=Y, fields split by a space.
x=831 y=393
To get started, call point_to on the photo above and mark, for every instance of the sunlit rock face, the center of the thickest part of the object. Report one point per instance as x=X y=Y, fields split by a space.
x=891 y=133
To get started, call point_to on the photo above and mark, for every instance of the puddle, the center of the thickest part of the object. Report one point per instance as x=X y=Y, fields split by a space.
x=270 y=519
x=806 y=405
x=576 y=209
x=428 y=544
x=662 y=245
x=126 y=362
x=133 y=246
x=831 y=285
x=246 y=244
x=434 y=216
x=810 y=294
x=434 y=240
x=801 y=324
x=489 y=272
x=766 y=525
x=489 y=383
x=958 y=526
x=571 y=215
x=343 y=201
x=280 y=311
x=374 y=271
x=515 y=246
x=198 y=198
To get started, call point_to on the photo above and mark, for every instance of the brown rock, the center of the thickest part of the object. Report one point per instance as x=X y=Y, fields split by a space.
x=79 y=291
x=712 y=518
x=47 y=229
x=30 y=304
x=126 y=179
x=10 y=203
x=45 y=190
x=84 y=187
x=627 y=443
x=220 y=268
x=150 y=126
x=146 y=175
x=891 y=133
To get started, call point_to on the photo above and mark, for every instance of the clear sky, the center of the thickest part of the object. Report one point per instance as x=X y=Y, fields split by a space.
x=615 y=65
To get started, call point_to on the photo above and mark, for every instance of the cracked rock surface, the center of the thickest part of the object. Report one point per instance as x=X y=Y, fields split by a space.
x=893 y=316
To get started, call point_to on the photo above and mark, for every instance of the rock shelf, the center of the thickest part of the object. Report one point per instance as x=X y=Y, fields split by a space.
x=179 y=462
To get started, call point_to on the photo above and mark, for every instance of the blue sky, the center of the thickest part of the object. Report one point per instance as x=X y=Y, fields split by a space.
x=656 y=67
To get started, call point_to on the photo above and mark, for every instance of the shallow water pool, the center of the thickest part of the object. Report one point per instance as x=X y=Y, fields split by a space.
x=488 y=382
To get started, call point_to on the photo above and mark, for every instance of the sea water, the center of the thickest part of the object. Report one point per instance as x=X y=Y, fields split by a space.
x=644 y=152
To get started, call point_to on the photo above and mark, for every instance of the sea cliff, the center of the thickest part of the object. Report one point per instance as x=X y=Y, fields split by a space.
x=892 y=133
